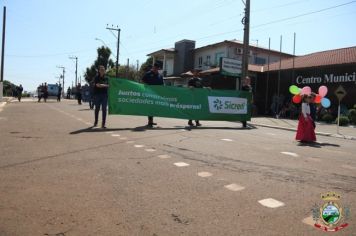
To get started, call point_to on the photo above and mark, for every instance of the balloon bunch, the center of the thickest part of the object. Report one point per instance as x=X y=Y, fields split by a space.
x=320 y=97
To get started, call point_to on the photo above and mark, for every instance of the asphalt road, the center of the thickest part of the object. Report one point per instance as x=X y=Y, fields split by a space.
x=60 y=177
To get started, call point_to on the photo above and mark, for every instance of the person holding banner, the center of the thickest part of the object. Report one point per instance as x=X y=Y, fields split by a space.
x=305 y=131
x=152 y=77
x=195 y=82
x=101 y=85
x=246 y=86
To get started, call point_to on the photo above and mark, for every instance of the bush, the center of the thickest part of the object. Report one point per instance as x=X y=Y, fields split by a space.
x=352 y=115
x=344 y=120
x=328 y=118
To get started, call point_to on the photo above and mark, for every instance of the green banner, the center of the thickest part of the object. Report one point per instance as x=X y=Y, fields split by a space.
x=130 y=98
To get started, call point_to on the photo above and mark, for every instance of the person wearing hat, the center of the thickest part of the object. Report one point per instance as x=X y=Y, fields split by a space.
x=195 y=82
x=152 y=77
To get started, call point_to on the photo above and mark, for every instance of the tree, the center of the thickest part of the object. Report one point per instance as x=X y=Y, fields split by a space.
x=145 y=66
x=124 y=72
x=103 y=58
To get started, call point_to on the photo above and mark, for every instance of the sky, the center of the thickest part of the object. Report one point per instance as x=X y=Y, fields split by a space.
x=43 y=34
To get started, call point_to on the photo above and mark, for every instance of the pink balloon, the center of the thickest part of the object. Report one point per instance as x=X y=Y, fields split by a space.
x=323 y=90
x=306 y=90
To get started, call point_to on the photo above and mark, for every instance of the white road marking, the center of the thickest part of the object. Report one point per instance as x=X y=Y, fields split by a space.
x=271 y=203
x=226 y=139
x=290 y=154
x=150 y=150
x=138 y=146
x=181 y=164
x=234 y=187
x=115 y=135
x=348 y=167
x=164 y=156
x=204 y=174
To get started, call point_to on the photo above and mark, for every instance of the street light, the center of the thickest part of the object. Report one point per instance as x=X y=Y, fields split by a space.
x=64 y=70
x=118 y=45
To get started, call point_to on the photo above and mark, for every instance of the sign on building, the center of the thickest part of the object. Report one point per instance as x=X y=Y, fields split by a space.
x=230 y=67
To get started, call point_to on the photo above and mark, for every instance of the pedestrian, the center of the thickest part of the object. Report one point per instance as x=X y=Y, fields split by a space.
x=305 y=131
x=45 y=92
x=79 y=93
x=195 y=82
x=101 y=85
x=69 y=91
x=312 y=106
x=19 y=92
x=246 y=86
x=40 y=92
x=59 y=94
x=91 y=94
x=152 y=77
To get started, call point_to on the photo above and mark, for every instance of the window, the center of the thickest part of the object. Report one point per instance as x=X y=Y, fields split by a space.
x=218 y=55
x=208 y=60
x=200 y=61
x=260 y=61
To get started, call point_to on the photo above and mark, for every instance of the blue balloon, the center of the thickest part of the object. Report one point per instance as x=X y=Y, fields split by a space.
x=325 y=102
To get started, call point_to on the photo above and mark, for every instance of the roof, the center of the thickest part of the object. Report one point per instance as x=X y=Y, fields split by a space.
x=240 y=43
x=161 y=51
x=251 y=67
x=324 y=58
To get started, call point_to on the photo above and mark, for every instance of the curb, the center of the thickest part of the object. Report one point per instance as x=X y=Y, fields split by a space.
x=317 y=133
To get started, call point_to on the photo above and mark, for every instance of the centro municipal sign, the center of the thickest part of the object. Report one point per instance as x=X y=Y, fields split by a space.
x=327 y=79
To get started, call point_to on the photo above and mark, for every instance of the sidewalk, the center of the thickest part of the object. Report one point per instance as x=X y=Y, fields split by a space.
x=324 y=129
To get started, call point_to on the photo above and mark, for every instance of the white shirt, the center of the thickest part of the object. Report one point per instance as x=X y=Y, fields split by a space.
x=305 y=109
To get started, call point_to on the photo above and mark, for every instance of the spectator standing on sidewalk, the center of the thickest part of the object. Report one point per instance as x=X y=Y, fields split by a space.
x=101 y=85
x=195 y=82
x=246 y=86
x=19 y=92
x=79 y=93
x=45 y=92
x=152 y=77
x=59 y=93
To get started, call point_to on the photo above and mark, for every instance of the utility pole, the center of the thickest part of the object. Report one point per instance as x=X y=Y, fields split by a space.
x=245 y=55
x=118 y=46
x=127 y=68
x=64 y=70
x=2 y=53
x=76 y=68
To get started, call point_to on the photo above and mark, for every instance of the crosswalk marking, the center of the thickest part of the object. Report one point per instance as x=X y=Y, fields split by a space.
x=181 y=164
x=234 y=187
x=271 y=203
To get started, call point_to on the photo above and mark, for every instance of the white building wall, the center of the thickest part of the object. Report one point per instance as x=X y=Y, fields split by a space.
x=169 y=66
x=214 y=53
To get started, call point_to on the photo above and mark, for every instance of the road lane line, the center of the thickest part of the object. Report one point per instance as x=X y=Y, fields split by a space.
x=181 y=164
x=115 y=135
x=271 y=203
x=290 y=154
x=234 y=187
x=204 y=174
x=150 y=150
x=226 y=139
x=164 y=156
x=138 y=146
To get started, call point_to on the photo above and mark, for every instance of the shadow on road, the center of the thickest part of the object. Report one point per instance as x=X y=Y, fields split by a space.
x=144 y=128
x=318 y=145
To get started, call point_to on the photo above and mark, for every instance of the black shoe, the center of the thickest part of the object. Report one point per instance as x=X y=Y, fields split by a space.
x=95 y=124
x=190 y=123
x=103 y=127
x=198 y=124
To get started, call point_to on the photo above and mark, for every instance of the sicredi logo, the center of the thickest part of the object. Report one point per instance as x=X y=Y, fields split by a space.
x=227 y=105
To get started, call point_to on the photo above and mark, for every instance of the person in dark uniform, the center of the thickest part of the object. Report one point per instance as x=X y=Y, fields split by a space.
x=79 y=93
x=91 y=94
x=69 y=91
x=59 y=93
x=101 y=85
x=45 y=92
x=195 y=82
x=19 y=92
x=246 y=86
x=152 y=77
